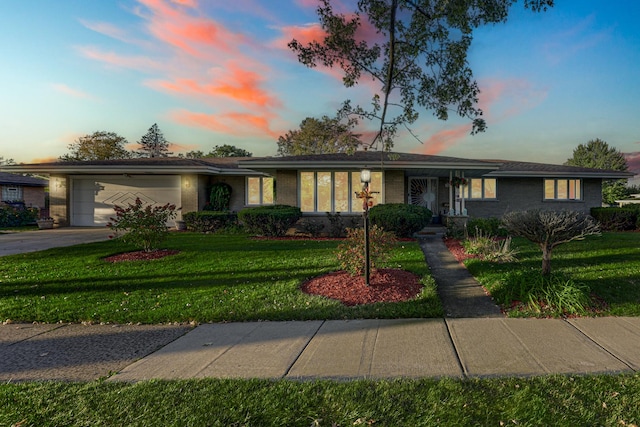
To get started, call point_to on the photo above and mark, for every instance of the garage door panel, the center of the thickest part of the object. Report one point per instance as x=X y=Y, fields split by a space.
x=95 y=197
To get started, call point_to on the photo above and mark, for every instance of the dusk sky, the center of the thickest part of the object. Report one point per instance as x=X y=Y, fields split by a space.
x=220 y=72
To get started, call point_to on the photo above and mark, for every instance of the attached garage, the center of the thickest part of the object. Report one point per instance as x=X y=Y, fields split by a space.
x=93 y=197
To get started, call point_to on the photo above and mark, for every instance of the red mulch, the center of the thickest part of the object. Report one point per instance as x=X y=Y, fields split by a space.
x=141 y=255
x=386 y=285
x=456 y=249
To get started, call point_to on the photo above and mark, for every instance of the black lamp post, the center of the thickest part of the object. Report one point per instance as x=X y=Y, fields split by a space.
x=365 y=178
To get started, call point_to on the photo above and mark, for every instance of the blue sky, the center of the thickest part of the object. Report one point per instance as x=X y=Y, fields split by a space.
x=211 y=73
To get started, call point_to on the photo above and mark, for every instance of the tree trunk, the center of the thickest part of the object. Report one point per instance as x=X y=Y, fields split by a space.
x=546 y=259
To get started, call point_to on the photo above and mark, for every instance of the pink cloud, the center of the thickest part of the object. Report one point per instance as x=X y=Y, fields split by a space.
x=236 y=83
x=233 y=123
x=63 y=88
x=444 y=139
x=140 y=62
x=633 y=161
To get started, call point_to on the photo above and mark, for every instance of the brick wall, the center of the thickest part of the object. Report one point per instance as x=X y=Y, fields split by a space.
x=517 y=194
x=394 y=187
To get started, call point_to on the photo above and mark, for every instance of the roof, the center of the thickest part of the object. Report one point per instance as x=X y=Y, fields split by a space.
x=416 y=163
x=528 y=169
x=25 y=181
x=146 y=165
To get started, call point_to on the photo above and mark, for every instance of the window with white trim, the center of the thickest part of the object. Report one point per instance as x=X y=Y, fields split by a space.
x=11 y=193
x=480 y=189
x=334 y=191
x=562 y=189
x=260 y=190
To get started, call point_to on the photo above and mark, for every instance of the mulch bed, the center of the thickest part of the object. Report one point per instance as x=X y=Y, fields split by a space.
x=141 y=255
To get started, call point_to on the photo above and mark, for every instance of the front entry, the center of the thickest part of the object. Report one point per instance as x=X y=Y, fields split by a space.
x=423 y=192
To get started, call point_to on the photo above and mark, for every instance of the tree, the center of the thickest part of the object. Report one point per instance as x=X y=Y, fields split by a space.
x=599 y=155
x=227 y=150
x=100 y=145
x=549 y=229
x=153 y=143
x=418 y=56
x=322 y=136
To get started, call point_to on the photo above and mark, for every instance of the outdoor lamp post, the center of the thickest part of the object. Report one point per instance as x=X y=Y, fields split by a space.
x=365 y=178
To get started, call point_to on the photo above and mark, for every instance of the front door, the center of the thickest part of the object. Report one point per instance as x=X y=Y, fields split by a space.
x=424 y=192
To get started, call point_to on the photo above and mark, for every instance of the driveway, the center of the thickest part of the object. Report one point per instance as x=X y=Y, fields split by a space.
x=31 y=241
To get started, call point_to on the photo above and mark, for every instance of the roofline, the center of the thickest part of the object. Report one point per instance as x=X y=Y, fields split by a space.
x=560 y=174
x=360 y=164
x=127 y=169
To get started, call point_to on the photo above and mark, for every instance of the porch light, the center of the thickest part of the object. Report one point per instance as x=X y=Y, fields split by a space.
x=365 y=176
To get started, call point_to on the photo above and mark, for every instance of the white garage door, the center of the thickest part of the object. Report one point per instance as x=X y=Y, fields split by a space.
x=93 y=197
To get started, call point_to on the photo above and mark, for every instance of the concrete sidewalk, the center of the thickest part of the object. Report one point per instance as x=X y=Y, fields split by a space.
x=333 y=349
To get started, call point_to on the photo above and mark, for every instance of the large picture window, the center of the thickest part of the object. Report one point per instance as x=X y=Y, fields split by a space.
x=326 y=191
x=480 y=188
x=562 y=189
x=260 y=190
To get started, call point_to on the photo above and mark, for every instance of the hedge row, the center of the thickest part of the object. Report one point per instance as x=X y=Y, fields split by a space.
x=618 y=219
x=403 y=220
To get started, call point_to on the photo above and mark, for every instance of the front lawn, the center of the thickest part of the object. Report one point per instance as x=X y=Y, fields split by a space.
x=609 y=265
x=602 y=400
x=214 y=278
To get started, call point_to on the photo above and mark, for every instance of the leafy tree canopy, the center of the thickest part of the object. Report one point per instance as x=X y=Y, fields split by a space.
x=227 y=150
x=153 y=143
x=224 y=150
x=415 y=50
x=599 y=155
x=99 y=145
x=327 y=135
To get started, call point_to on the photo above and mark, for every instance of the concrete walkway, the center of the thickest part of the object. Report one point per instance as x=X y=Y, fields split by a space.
x=32 y=241
x=485 y=344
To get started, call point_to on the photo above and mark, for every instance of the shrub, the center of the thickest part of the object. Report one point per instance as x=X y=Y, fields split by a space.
x=351 y=255
x=617 y=219
x=16 y=217
x=399 y=218
x=269 y=221
x=489 y=247
x=552 y=295
x=311 y=227
x=219 y=197
x=209 y=221
x=338 y=225
x=145 y=226
x=486 y=226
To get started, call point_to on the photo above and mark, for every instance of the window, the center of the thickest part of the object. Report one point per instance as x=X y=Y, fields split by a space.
x=325 y=191
x=562 y=189
x=11 y=193
x=480 y=188
x=260 y=190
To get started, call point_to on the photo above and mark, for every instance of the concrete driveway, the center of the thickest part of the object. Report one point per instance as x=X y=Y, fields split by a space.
x=31 y=241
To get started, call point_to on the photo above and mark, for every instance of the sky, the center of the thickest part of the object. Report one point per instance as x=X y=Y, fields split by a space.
x=213 y=72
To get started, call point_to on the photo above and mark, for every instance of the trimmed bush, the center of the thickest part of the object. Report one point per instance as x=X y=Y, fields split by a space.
x=271 y=221
x=403 y=220
x=219 y=197
x=617 y=219
x=12 y=217
x=210 y=221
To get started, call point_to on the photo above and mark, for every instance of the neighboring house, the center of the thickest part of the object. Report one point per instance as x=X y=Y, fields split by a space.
x=22 y=189
x=84 y=193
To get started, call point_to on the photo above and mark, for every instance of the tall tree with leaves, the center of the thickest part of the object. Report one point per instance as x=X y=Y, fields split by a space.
x=327 y=135
x=418 y=56
x=153 y=144
x=598 y=154
x=227 y=150
x=100 y=145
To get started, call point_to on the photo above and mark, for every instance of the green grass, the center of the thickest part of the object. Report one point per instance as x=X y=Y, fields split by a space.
x=214 y=278
x=542 y=401
x=609 y=265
